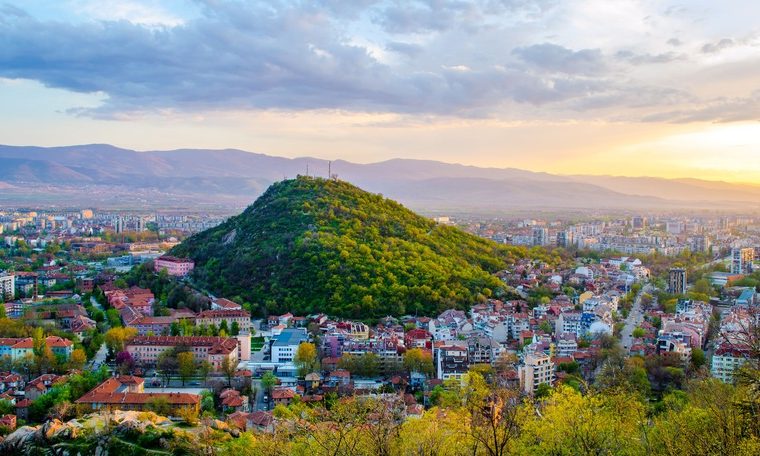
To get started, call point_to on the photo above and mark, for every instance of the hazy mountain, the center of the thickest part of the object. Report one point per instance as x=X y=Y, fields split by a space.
x=231 y=177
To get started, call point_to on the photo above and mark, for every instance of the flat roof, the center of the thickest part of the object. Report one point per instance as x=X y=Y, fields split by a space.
x=290 y=337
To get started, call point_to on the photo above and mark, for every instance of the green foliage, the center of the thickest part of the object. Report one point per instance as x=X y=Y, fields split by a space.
x=313 y=245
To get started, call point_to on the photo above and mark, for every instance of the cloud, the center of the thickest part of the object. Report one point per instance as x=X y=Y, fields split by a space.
x=486 y=58
x=408 y=49
x=720 y=110
x=712 y=48
x=646 y=58
x=559 y=59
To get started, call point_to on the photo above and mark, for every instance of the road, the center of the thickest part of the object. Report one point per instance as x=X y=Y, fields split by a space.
x=99 y=358
x=635 y=317
x=95 y=303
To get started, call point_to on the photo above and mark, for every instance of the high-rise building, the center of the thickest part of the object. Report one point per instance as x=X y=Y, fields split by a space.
x=540 y=236
x=677 y=281
x=674 y=227
x=7 y=286
x=741 y=260
x=119 y=225
x=639 y=222
x=565 y=238
x=700 y=243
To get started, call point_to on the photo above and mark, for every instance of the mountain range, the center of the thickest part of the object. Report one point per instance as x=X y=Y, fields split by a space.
x=107 y=176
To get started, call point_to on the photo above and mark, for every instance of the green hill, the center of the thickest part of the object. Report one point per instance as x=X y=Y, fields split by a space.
x=313 y=245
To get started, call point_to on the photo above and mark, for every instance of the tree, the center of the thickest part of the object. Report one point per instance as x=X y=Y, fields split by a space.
x=205 y=368
x=638 y=333
x=188 y=414
x=698 y=358
x=77 y=359
x=235 y=329
x=114 y=320
x=305 y=359
x=115 y=338
x=159 y=405
x=268 y=381
x=167 y=365
x=186 y=366
x=495 y=421
x=416 y=360
x=571 y=423
x=124 y=362
x=228 y=369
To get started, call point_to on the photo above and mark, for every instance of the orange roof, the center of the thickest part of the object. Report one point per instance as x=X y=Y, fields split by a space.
x=108 y=393
x=283 y=393
x=55 y=341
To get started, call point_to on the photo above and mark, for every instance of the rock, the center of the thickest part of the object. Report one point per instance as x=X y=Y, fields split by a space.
x=21 y=438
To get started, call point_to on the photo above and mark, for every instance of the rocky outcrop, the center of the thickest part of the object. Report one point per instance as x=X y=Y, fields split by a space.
x=91 y=434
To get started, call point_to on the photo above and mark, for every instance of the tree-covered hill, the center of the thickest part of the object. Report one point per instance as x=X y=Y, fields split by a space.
x=314 y=245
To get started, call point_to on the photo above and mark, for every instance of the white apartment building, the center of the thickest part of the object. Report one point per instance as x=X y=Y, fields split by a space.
x=725 y=361
x=7 y=286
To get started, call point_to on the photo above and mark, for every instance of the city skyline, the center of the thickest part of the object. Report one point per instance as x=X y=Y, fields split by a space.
x=630 y=88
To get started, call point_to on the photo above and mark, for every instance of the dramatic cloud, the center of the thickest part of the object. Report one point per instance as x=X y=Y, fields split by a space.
x=485 y=58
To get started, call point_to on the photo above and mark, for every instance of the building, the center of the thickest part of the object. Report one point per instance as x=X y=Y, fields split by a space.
x=20 y=348
x=565 y=239
x=285 y=344
x=451 y=362
x=283 y=396
x=176 y=267
x=638 y=222
x=726 y=360
x=145 y=350
x=540 y=236
x=225 y=304
x=127 y=393
x=677 y=281
x=700 y=243
x=7 y=286
x=741 y=260
x=59 y=346
x=241 y=318
x=536 y=370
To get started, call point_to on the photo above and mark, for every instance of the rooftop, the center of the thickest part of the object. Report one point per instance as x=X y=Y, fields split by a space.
x=290 y=337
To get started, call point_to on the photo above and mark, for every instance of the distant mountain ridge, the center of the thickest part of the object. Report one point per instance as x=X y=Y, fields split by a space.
x=235 y=177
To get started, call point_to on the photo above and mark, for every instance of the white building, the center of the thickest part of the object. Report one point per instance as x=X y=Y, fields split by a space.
x=725 y=361
x=7 y=286
x=285 y=344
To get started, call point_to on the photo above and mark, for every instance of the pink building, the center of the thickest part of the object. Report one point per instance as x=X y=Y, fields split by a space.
x=177 y=267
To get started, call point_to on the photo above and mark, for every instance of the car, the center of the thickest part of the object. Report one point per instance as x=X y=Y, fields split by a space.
x=195 y=383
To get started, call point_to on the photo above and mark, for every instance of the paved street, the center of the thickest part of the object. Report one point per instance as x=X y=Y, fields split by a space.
x=635 y=317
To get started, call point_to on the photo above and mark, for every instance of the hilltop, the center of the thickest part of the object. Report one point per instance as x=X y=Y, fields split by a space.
x=315 y=245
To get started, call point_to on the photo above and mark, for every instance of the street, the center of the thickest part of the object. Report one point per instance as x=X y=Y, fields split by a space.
x=635 y=317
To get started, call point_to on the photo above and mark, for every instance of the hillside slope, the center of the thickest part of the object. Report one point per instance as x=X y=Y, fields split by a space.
x=314 y=245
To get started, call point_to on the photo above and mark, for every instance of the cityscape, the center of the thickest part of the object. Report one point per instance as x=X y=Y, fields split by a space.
x=379 y=228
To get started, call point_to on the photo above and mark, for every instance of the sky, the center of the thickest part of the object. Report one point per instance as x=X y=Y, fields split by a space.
x=657 y=88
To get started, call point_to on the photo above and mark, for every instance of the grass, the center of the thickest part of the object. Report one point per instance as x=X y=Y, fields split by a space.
x=257 y=343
